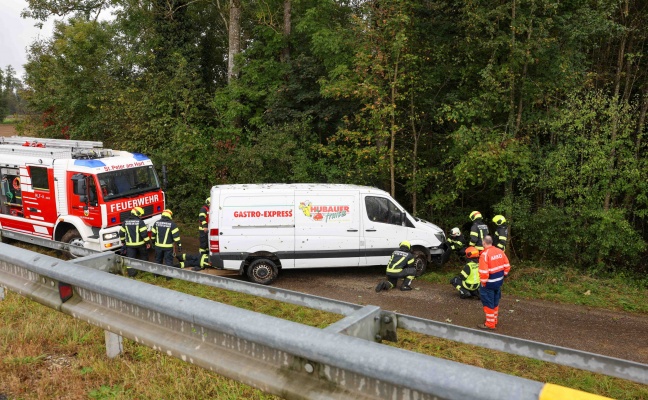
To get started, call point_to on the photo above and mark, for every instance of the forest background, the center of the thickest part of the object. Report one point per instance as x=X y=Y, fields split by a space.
x=533 y=109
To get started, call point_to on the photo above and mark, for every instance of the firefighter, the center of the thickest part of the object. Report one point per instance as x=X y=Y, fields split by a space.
x=166 y=238
x=456 y=242
x=135 y=239
x=401 y=265
x=493 y=268
x=467 y=283
x=197 y=262
x=203 y=226
x=501 y=232
x=478 y=231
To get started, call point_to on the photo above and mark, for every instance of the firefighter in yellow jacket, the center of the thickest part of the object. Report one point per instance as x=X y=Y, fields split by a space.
x=166 y=239
x=134 y=236
x=402 y=264
x=501 y=232
x=467 y=282
x=203 y=226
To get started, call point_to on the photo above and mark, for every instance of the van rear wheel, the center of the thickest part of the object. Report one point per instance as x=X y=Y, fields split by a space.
x=262 y=271
x=420 y=262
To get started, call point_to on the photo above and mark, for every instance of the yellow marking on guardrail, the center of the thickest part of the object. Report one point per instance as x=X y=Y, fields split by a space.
x=556 y=392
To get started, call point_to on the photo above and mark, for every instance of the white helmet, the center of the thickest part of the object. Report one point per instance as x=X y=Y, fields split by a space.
x=455 y=232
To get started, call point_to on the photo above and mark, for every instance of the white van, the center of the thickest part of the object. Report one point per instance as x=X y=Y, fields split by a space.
x=260 y=229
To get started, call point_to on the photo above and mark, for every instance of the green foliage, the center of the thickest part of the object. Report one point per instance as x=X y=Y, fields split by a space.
x=276 y=154
x=531 y=109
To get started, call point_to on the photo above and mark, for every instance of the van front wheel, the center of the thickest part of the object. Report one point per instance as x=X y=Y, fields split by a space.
x=262 y=271
x=420 y=261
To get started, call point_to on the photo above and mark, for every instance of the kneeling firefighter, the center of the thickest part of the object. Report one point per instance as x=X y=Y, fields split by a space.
x=467 y=283
x=401 y=265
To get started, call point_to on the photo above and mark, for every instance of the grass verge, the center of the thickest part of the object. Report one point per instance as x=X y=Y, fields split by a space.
x=562 y=284
x=45 y=354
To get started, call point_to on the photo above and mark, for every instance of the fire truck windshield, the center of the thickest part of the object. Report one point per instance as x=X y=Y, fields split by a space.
x=128 y=182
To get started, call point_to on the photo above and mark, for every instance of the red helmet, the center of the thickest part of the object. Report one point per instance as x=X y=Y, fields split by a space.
x=472 y=252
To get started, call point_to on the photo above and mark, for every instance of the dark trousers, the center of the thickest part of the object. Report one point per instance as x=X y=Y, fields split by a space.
x=457 y=283
x=164 y=255
x=204 y=246
x=405 y=272
x=490 y=297
x=138 y=253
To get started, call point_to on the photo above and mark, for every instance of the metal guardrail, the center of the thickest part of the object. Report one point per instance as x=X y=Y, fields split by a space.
x=382 y=324
x=276 y=356
x=597 y=363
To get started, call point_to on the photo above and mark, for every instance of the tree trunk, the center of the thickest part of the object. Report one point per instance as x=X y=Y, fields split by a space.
x=511 y=118
x=234 y=38
x=392 y=128
x=415 y=135
x=615 y=121
x=285 y=53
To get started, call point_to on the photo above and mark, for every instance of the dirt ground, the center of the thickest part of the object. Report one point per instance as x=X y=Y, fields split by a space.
x=615 y=334
x=7 y=130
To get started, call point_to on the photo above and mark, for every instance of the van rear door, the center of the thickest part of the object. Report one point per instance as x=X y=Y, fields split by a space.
x=327 y=229
x=256 y=223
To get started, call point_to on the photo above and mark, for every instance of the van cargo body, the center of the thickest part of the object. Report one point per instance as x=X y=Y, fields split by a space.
x=261 y=229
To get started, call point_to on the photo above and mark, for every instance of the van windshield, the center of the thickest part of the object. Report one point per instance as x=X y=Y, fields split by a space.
x=128 y=182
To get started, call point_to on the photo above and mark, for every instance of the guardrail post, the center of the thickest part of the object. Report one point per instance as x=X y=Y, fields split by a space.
x=107 y=262
x=114 y=344
x=388 y=325
x=2 y=293
x=364 y=323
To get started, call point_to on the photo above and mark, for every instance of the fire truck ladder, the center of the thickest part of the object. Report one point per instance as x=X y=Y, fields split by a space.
x=52 y=148
x=35 y=142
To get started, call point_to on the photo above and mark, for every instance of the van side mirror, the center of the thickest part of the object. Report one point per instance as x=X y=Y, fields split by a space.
x=402 y=219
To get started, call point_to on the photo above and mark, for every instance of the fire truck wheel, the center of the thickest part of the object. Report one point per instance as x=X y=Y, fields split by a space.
x=72 y=237
x=262 y=271
x=420 y=262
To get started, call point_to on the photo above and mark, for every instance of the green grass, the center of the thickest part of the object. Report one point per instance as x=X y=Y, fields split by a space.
x=45 y=354
x=562 y=284
x=12 y=119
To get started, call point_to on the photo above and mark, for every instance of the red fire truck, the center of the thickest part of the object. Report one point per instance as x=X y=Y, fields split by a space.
x=73 y=191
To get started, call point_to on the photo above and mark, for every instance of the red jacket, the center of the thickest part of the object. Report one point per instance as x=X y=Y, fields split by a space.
x=493 y=267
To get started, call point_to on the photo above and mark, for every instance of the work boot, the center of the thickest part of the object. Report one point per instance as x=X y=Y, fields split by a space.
x=483 y=326
x=380 y=286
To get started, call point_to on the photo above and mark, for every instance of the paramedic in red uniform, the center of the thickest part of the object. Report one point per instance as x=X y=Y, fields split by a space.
x=493 y=268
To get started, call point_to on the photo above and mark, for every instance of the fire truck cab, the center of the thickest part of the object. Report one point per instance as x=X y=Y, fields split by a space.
x=74 y=191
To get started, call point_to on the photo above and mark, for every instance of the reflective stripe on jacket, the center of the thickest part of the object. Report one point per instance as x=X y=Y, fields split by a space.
x=493 y=266
x=399 y=260
x=477 y=232
x=133 y=232
x=470 y=274
x=203 y=217
x=165 y=233
x=501 y=237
